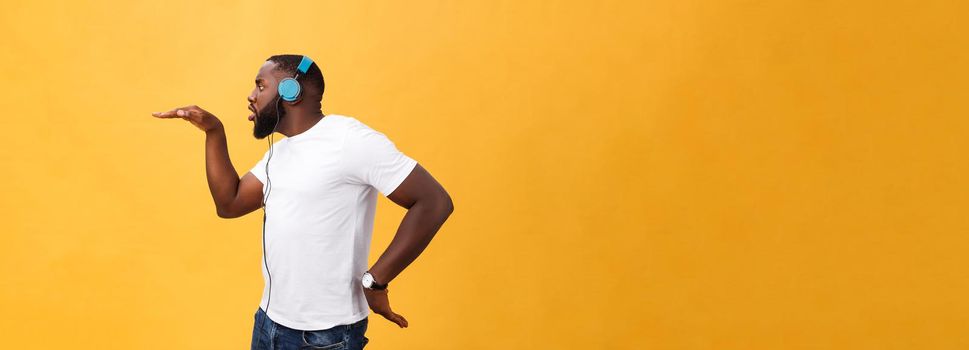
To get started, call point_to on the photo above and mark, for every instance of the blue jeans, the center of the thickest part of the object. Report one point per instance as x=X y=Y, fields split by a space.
x=269 y=335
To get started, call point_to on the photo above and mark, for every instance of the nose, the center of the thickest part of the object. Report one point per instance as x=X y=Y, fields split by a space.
x=251 y=98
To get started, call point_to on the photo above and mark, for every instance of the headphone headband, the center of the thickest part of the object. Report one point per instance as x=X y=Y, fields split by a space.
x=304 y=64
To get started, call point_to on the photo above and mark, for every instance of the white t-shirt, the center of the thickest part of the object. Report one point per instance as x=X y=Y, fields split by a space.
x=319 y=219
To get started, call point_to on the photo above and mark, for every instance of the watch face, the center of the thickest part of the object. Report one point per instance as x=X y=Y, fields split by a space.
x=367 y=280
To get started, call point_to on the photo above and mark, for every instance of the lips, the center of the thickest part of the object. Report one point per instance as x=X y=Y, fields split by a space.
x=253 y=115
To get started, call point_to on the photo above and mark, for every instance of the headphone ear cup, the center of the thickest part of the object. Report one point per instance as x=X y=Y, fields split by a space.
x=289 y=89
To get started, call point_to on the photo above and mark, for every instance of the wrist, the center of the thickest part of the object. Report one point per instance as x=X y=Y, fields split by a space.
x=370 y=282
x=215 y=129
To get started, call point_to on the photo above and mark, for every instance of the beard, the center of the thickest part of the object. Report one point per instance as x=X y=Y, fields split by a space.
x=266 y=119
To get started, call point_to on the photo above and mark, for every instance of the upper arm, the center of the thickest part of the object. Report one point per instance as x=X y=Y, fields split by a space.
x=370 y=157
x=419 y=185
x=248 y=197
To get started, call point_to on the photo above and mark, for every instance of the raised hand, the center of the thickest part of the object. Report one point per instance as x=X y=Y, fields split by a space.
x=202 y=119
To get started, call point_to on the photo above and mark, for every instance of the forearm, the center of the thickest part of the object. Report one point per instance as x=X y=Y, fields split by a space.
x=416 y=230
x=222 y=177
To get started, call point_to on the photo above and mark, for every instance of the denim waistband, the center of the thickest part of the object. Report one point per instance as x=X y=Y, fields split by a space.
x=360 y=323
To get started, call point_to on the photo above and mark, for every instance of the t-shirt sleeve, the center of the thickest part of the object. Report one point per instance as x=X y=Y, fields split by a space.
x=371 y=158
x=259 y=170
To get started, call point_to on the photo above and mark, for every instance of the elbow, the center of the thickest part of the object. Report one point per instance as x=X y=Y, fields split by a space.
x=225 y=214
x=447 y=206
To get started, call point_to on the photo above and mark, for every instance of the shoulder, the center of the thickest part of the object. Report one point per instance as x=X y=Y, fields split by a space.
x=345 y=124
x=349 y=122
x=357 y=130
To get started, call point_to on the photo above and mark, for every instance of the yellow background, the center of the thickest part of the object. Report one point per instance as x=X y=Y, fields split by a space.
x=626 y=175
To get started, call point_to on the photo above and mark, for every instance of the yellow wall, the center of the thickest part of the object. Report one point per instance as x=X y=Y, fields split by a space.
x=627 y=175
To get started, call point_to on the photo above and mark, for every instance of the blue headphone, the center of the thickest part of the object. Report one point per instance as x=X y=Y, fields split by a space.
x=289 y=88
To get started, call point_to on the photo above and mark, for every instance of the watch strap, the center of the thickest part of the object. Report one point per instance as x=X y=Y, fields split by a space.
x=375 y=285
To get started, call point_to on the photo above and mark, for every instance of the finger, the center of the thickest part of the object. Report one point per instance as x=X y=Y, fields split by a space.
x=174 y=113
x=392 y=317
x=169 y=114
x=400 y=320
x=185 y=109
x=189 y=114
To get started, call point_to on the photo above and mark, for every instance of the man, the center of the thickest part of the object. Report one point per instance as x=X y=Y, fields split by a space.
x=320 y=189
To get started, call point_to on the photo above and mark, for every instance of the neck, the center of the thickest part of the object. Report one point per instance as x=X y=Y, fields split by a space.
x=297 y=122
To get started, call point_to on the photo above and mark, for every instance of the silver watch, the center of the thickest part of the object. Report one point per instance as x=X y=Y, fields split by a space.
x=370 y=283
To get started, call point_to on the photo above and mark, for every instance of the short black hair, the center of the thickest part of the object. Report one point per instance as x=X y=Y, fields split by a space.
x=288 y=63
